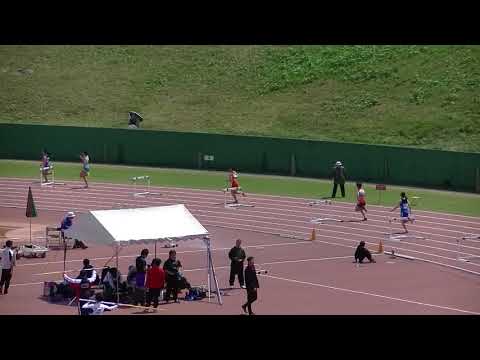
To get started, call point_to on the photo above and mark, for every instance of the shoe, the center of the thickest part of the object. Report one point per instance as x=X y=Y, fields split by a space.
x=243 y=286
x=5 y=292
x=364 y=219
x=251 y=313
x=244 y=309
x=177 y=301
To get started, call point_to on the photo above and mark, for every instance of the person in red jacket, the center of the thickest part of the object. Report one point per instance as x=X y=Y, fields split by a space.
x=155 y=282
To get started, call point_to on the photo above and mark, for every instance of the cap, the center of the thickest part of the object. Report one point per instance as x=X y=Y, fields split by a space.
x=338 y=163
x=71 y=214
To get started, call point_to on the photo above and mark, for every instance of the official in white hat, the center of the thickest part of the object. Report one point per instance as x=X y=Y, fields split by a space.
x=338 y=175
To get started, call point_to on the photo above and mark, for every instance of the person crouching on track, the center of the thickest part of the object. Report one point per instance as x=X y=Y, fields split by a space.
x=362 y=252
x=361 y=202
x=405 y=211
x=234 y=185
x=155 y=283
x=85 y=167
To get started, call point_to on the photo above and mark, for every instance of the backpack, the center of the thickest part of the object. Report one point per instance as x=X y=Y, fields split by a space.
x=195 y=293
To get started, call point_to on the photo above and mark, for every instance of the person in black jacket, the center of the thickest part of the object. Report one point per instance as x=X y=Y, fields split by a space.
x=237 y=257
x=362 y=252
x=87 y=272
x=338 y=179
x=251 y=281
x=173 y=276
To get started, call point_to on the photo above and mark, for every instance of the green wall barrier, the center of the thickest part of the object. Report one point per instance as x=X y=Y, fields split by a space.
x=368 y=163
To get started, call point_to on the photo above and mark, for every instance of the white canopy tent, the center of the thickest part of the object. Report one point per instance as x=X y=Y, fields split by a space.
x=120 y=227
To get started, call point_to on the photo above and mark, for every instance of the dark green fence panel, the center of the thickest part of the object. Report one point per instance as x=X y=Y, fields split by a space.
x=368 y=163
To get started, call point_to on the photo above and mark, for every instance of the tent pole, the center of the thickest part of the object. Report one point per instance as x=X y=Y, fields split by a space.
x=219 y=296
x=64 y=252
x=207 y=242
x=30 y=230
x=118 y=279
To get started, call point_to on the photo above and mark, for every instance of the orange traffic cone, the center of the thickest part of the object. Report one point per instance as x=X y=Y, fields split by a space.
x=380 y=247
x=313 y=236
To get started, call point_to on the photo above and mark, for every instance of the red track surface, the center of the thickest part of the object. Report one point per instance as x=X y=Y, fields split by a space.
x=304 y=277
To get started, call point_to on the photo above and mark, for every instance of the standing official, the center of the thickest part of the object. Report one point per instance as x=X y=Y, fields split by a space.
x=338 y=178
x=7 y=264
x=172 y=268
x=237 y=257
x=251 y=281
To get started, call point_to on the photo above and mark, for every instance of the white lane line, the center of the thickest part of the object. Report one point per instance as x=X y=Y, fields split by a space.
x=275 y=232
x=201 y=206
x=256 y=229
x=371 y=294
x=224 y=266
x=188 y=197
x=278 y=198
x=166 y=253
x=337 y=232
x=116 y=193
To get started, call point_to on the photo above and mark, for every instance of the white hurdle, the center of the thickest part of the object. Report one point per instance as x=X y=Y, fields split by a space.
x=52 y=174
x=399 y=236
x=320 y=202
x=146 y=183
x=324 y=220
x=470 y=238
x=233 y=205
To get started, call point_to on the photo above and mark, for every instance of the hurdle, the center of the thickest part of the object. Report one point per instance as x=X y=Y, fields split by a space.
x=51 y=172
x=146 y=184
x=399 y=236
x=393 y=254
x=324 y=220
x=471 y=238
x=320 y=202
x=233 y=205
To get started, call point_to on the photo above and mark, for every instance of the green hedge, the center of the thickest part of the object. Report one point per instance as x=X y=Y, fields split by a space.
x=369 y=163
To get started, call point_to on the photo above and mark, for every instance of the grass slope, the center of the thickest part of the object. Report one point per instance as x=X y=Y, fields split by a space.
x=423 y=96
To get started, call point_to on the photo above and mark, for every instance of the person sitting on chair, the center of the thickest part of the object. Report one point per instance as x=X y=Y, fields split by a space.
x=87 y=272
x=362 y=252
x=173 y=276
x=66 y=224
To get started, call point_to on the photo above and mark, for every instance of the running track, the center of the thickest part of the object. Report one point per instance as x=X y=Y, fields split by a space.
x=438 y=233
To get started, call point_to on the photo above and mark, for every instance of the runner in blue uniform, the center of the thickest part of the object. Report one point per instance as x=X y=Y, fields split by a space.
x=405 y=211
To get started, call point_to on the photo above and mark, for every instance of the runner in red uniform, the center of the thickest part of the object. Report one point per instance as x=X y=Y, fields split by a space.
x=361 y=202
x=234 y=185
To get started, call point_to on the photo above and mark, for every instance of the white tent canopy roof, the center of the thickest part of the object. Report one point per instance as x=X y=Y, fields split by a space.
x=160 y=223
